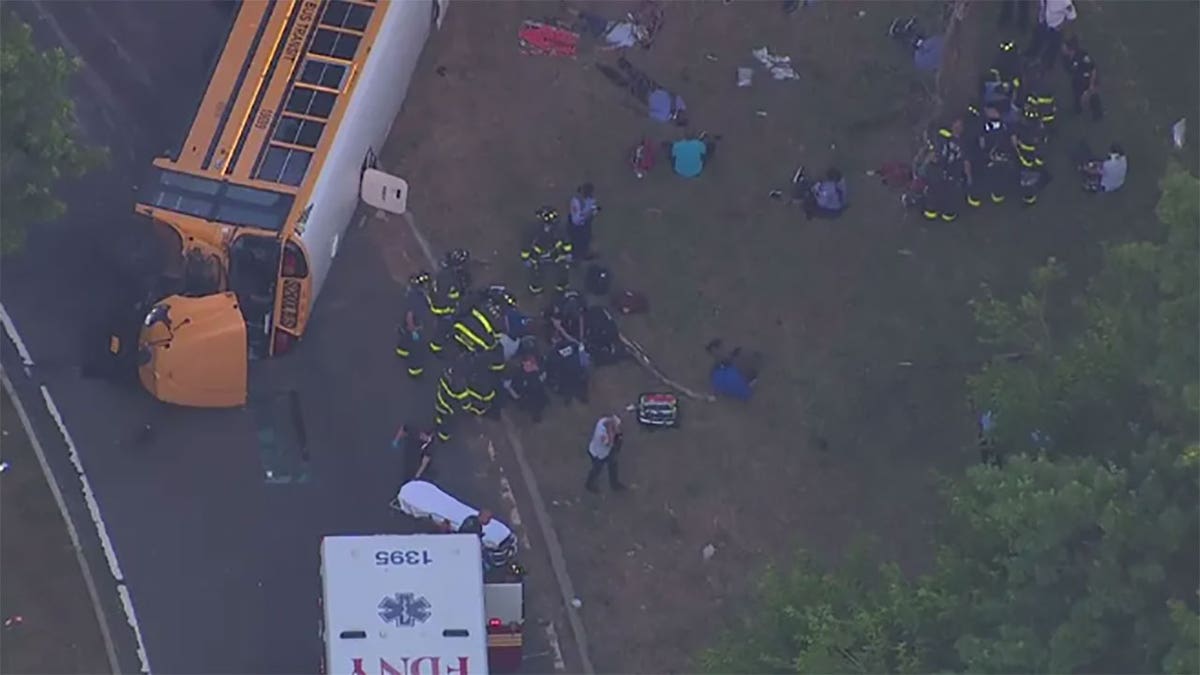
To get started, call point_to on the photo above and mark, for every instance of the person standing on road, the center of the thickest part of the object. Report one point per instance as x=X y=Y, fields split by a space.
x=603 y=450
x=418 y=453
x=412 y=332
x=583 y=210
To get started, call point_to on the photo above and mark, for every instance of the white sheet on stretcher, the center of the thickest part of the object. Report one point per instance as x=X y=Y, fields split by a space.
x=421 y=499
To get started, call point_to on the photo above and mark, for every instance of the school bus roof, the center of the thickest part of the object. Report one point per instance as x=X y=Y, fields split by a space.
x=278 y=83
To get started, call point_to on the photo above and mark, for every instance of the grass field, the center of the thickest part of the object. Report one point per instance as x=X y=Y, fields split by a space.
x=864 y=321
x=50 y=626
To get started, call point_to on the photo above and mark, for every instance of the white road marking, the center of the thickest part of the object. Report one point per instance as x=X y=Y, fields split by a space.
x=109 y=648
x=89 y=496
x=26 y=359
x=552 y=638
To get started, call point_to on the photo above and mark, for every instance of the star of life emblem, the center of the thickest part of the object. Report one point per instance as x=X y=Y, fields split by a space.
x=404 y=609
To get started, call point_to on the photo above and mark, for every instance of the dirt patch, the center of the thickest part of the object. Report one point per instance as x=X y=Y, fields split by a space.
x=49 y=624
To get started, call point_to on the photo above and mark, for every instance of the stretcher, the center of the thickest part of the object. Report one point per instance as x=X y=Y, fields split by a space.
x=424 y=500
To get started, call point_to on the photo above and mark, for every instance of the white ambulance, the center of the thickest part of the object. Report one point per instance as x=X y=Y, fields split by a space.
x=403 y=605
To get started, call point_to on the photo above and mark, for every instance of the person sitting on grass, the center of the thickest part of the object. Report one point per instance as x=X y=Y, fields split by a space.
x=691 y=153
x=824 y=198
x=1102 y=175
x=733 y=374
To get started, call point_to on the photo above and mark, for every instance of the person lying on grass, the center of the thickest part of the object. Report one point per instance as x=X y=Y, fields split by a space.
x=825 y=198
x=692 y=152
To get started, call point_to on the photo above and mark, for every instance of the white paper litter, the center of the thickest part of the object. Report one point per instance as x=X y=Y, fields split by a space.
x=745 y=76
x=779 y=66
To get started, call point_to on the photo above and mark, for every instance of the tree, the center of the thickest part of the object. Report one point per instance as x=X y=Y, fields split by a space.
x=1103 y=369
x=1080 y=553
x=37 y=125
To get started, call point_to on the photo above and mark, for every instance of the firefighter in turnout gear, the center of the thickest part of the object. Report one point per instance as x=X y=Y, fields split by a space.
x=1028 y=139
x=477 y=332
x=548 y=251
x=974 y=157
x=1038 y=100
x=451 y=397
x=444 y=297
x=996 y=143
x=481 y=387
x=946 y=174
x=415 y=326
x=1007 y=66
x=1031 y=170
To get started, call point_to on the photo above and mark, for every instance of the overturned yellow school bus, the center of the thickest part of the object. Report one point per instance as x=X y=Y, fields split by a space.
x=253 y=204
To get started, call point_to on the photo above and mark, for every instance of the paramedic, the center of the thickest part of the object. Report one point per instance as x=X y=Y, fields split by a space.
x=416 y=321
x=603 y=449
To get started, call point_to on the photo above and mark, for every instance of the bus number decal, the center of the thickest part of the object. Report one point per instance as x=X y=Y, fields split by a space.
x=403 y=558
x=263 y=119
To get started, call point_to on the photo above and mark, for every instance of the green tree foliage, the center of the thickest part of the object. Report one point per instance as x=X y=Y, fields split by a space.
x=1080 y=553
x=37 y=122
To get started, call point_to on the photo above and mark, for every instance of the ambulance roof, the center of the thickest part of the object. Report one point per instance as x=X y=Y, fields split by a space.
x=398 y=598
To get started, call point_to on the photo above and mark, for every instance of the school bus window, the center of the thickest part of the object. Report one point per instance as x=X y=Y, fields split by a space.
x=298 y=132
x=345 y=15
x=331 y=43
x=310 y=102
x=183 y=181
x=284 y=165
x=253 y=196
x=323 y=73
x=217 y=201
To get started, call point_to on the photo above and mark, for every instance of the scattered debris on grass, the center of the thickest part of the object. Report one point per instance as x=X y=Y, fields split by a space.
x=779 y=66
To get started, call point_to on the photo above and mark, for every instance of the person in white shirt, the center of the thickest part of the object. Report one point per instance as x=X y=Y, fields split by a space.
x=603 y=449
x=1047 y=35
x=1103 y=175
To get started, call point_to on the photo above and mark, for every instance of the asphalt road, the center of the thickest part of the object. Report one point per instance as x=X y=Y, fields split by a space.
x=221 y=563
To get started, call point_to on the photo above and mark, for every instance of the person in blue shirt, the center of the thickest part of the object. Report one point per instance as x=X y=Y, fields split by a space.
x=733 y=374
x=689 y=155
x=825 y=198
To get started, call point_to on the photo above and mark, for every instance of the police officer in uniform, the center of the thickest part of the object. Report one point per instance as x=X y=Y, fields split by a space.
x=548 y=251
x=417 y=322
x=525 y=383
x=444 y=298
x=1085 y=80
x=565 y=371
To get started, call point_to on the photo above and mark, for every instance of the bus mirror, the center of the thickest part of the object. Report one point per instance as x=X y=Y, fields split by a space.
x=385 y=191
